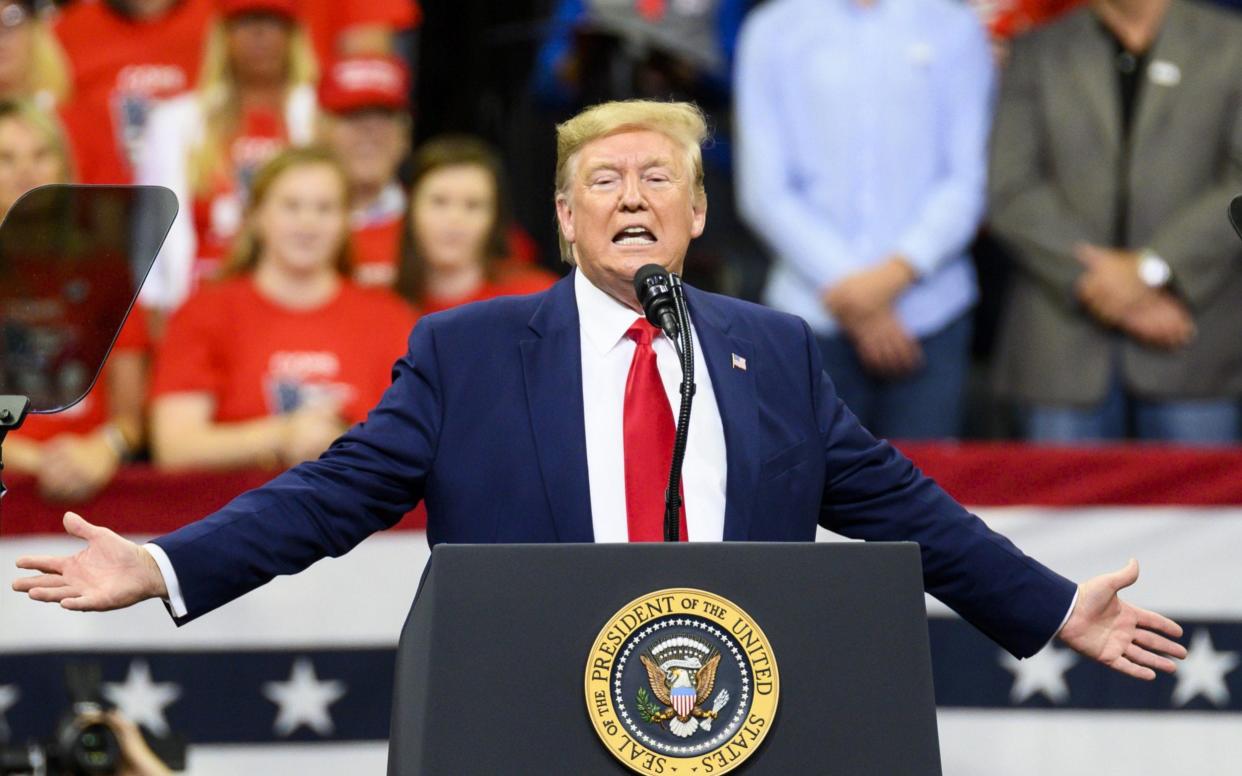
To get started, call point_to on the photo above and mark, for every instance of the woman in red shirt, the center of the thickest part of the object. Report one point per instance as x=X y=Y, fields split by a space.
x=255 y=96
x=268 y=365
x=77 y=452
x=455 y=248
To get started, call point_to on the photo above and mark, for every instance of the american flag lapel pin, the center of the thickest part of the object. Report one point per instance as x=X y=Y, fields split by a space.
x=739 y=362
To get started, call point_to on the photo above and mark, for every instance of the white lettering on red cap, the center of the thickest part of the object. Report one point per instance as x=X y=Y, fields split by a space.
x=368 y=75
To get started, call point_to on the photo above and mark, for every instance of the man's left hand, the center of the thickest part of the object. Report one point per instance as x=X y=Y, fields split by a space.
x=1118 y=634
x=871 y=291
x=1111 y=287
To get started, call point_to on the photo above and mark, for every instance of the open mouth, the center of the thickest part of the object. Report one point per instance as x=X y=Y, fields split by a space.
x=634 y=235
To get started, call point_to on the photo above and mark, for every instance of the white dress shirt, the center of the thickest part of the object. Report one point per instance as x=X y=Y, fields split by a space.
x=606 y=356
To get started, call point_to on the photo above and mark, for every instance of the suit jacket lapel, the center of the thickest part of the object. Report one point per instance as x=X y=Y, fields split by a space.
x=552 y=367
x=1091 y=56
x=1168 y=61
x=736 y=399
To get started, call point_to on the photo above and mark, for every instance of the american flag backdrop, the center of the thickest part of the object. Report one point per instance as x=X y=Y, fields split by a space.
x=296 y=677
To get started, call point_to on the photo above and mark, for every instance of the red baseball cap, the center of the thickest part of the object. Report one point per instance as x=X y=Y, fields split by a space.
x=353 y=83
x=287 y=8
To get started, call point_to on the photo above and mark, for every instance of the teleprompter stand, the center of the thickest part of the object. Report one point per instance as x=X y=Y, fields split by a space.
x=490 y=669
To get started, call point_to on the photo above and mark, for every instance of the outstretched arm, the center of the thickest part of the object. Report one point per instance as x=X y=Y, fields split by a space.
x=110 y=573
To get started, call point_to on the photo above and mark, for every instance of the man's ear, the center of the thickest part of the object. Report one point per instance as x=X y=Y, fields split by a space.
x=700 y=216
x=565 y=217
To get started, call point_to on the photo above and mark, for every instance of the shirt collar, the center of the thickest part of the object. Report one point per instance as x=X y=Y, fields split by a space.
x=604 y=320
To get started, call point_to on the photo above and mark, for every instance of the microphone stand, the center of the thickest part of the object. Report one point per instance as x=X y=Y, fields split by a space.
x=684 y=345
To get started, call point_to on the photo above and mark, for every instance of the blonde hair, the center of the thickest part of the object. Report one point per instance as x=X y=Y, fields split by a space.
x=49 y=67
x=221 y=103
x=45 y=124
x=248 y=247
x=682 y=122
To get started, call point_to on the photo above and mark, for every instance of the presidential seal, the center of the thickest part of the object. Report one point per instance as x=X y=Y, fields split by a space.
x=681 y=681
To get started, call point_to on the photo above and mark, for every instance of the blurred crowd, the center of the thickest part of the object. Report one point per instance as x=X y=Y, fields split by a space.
x=1001 y=218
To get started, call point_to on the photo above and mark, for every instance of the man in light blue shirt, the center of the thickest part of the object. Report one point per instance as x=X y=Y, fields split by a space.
x=862 y=155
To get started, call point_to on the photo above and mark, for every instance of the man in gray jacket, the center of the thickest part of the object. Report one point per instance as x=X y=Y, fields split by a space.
x=1116 y=148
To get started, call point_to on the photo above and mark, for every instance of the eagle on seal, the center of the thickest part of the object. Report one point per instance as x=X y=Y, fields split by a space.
x=681 y=687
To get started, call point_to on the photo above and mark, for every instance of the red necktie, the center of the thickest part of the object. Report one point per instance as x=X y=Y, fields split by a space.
x=649 y=433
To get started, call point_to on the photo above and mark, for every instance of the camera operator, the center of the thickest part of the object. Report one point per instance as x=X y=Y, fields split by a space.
x=136 y=758
x=91 y=739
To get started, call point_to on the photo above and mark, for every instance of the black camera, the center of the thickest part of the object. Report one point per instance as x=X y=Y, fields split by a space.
x=80 y=746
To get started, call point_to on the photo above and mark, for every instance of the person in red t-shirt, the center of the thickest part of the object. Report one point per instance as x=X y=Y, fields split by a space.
x=367 y=122
x=255 y=96
x=124 y=55
x=455 y=248
x=268 y=365
x=357 y=27
x=77 y=452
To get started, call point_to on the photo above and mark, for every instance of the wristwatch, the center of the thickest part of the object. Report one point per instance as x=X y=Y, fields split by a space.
x=1153 y=270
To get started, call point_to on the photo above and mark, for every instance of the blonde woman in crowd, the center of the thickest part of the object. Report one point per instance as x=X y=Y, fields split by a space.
x=268 y=365
x=456 y=247
x=32 y=63
x=77 y=452
x=255 y=96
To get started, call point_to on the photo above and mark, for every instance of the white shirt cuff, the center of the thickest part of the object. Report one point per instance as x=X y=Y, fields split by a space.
x=174 y=600
x=1065 y=619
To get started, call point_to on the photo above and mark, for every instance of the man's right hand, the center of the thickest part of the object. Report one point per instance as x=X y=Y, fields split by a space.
x=110 y=573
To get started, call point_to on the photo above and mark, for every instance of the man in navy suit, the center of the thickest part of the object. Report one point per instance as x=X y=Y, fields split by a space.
x=544 y=418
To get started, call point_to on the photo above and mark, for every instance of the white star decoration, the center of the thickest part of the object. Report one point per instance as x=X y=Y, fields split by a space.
x=1203 y=672
x=142 y=700
x=304 y=700
x=8 y=697
x=1042 y=673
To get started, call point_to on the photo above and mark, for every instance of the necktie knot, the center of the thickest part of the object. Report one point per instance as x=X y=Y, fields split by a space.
x=642 y=332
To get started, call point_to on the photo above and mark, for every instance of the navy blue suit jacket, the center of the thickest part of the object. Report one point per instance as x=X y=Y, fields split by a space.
x=484 y=422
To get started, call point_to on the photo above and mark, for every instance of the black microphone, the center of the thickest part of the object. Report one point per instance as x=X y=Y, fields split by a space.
x=1235 y=214
x=654 y=290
